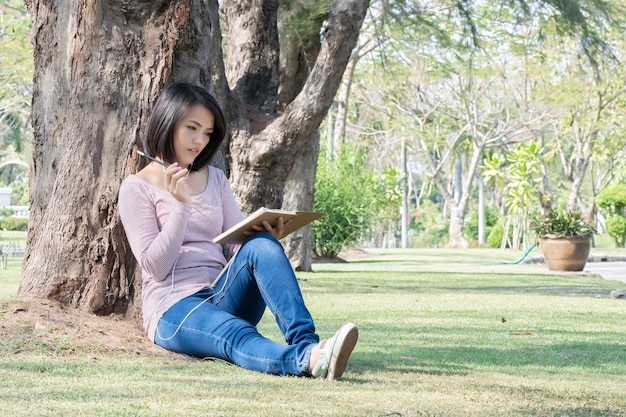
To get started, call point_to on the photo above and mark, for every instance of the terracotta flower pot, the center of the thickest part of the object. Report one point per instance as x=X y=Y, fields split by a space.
x=566 y=253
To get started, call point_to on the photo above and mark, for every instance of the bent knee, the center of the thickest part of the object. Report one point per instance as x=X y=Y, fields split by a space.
x=263 y=241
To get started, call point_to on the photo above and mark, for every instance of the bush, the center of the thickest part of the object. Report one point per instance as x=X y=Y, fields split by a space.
x=616 y=228
x=15 y=223
x=6 y=212
x=560 y=222
x=471 y=225
x=612 y=199
x=494 y=240
x=344 y=190
x=428 y=228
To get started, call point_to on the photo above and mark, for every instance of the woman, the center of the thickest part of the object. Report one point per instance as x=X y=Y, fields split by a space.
x=193 y=301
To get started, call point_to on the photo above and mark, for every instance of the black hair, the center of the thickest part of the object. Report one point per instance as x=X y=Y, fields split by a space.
x=173 y=103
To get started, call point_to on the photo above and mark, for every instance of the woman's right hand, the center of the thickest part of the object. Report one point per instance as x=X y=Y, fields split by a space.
x=176 y=182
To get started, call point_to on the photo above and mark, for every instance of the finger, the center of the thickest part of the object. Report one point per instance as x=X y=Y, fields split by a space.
x=279 y=227
x=176 y=173
x=171 y=171
x=180 y=174
x=178 y=185
x=277 y=230
x=267 y=226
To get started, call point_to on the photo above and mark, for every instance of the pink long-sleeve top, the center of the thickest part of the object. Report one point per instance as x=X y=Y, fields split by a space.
x=173 y=241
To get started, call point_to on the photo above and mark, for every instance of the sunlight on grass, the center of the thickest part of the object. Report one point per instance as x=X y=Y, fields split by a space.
x=509 y=341
x=10 y=277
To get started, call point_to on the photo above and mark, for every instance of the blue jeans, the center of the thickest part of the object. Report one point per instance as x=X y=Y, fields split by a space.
x=220 y=322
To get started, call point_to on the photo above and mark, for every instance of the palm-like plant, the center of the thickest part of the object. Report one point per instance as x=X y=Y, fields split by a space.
x=557 y=223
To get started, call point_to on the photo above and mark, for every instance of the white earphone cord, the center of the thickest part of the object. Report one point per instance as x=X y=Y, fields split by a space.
x=180 y=325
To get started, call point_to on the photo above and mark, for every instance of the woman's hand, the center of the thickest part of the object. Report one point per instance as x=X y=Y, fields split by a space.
x=265 y=226
x=176 y=182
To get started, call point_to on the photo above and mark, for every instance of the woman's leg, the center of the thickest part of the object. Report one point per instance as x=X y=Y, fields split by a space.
x=194 y=326
x=221 y=322
x=260 y=276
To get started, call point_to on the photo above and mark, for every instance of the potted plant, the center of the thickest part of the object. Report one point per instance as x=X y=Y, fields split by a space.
x=565 y=239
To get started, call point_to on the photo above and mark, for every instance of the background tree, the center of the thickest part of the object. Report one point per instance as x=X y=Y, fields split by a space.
x=299 y=27
x=98 y=68
x=585 y=104
x=613 y=200
x=519 y=173
x=100 y=65
x=456 y=71
x=15 y=91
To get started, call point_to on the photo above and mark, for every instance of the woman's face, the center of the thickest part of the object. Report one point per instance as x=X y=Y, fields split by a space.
x=192 y=134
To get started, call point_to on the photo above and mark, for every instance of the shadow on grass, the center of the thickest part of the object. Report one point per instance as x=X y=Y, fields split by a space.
x=458 y=350
x=572 y=410
x=545 y=290
x=428 y=282
x=548 y=290
x=463 y=360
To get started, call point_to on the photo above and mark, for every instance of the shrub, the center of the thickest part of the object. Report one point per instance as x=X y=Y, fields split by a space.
x=494 y=240
x=428 y=228
x=616 y=228
x=344 y=190
x=20 y=193
x=6 y=212
x=558 y=223
x=15 y=223
x=471 y=225
x=612 y=199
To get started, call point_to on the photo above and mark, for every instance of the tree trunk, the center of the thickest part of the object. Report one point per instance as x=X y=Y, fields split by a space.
x=299 y=48
x=99 y=66
x=459 y=208
x=455 y=230
x=342 y=102
x=279 y=140
x=457 y=180
x=299 y=195
x=581 y=163
x=405 y=199
x=263 y=155
x=482 y=239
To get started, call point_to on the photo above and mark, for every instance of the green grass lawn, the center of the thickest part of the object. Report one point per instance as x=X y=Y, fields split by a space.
x=12 y=237
x=442 y=333
x=10 y=277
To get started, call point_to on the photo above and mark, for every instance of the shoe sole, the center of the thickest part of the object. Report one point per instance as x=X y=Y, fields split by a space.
x=341 y=350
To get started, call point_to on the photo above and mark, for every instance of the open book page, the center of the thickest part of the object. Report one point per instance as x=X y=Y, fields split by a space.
x=293 y=219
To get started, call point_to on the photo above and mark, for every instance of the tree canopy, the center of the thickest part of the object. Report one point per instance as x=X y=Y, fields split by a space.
x=436 y=92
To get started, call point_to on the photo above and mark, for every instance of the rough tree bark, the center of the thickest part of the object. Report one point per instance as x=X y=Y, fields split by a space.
x=99 y=65
x=263 y=155
x=299 y=47
x=284 y=131
x=299 y=195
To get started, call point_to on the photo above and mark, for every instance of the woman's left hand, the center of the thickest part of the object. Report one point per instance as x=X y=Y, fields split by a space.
x=276 y=231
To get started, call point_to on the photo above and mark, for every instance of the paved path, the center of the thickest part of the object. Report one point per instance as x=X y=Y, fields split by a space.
x=611 y=270
x=609 y=267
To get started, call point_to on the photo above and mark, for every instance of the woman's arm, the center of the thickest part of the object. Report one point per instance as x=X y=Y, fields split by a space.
x=156 y=246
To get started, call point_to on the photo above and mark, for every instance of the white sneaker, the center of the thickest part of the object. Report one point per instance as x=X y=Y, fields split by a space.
x=334 y=353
